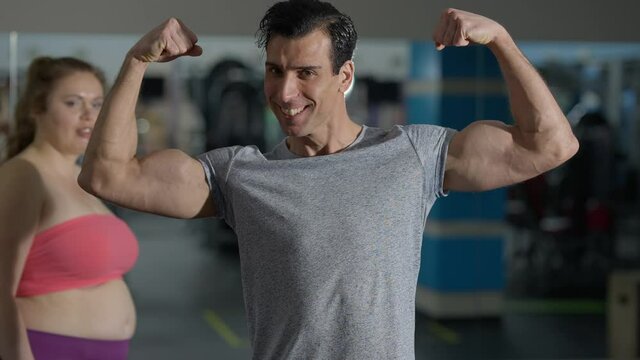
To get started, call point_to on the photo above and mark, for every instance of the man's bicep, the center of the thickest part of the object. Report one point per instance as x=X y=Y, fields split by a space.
x=169 y=183
x=483 y=156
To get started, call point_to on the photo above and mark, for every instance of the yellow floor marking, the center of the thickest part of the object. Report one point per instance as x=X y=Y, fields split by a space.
x=223 y=329
x=444 y=333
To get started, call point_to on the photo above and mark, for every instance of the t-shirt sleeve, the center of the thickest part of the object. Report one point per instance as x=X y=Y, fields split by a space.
x=217 y=166
x=431 y=143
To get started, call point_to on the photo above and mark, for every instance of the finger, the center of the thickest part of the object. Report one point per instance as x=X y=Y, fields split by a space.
x=450 y=32
x=177 y=46
x=195 y=51
x=459 y=38
x=190 y=35
x=171 y=51
x=182 y=43
x=440 y=30
x=186 y=39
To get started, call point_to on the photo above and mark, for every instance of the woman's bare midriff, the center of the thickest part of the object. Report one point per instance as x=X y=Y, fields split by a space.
x=104 y=312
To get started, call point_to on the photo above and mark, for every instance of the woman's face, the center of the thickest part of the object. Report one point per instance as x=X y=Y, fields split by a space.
x=72 y=109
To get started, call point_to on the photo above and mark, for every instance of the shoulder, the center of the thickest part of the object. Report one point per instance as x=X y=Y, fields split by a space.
x=20 y=175
x=20 y=171
x=423 y=129
x=428 y=134
x=227 y=154
x=21 y=187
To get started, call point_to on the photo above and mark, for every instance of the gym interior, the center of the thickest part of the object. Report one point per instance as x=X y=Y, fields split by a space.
x=546 y=269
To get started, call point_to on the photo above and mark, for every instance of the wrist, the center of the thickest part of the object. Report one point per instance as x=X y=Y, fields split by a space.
x=501 y=40
x=131 y=61
x=131 y=68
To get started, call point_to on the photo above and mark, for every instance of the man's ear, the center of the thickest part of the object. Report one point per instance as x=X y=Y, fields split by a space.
x=347 y=71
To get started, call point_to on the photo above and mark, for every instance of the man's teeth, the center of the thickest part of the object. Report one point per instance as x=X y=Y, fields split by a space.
x=292 y=112
x=85 y=130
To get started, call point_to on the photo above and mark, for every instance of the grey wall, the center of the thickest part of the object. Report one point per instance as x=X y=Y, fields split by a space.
x=595 y=20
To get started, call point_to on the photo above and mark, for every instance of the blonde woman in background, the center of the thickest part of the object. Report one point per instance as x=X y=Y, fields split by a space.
x=62 y=252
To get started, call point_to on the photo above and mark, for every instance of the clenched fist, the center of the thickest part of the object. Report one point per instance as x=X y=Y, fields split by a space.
x=169 y=40
x=459 y=28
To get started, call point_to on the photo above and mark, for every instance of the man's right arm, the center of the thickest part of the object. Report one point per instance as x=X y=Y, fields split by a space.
x=168 y=182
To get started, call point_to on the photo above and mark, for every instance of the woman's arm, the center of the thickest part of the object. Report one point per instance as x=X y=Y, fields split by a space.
x=21 y=200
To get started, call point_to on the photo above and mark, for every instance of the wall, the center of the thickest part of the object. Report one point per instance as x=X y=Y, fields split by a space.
x=595 y=20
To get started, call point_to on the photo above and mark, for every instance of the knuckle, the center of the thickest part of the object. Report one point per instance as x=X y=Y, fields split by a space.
x=172 y=21
x=172 y=25
x=170 y=48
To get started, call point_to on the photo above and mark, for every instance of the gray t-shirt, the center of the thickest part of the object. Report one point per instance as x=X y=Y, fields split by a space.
x=330 y=245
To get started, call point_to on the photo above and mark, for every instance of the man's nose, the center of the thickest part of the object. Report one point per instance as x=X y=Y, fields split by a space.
x=289 y=88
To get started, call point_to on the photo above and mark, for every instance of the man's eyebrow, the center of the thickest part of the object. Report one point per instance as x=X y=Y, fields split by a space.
x=298 y=67
x=308 y=67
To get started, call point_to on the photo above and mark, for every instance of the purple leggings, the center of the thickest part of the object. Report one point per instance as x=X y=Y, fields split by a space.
x=47 y=346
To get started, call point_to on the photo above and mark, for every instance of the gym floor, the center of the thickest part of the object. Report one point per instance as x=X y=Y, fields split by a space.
x=189 y=301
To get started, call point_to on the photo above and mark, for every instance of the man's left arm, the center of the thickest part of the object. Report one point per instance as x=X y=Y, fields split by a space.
x=490 y=154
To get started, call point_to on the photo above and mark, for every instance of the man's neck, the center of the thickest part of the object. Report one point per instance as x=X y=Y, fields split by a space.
x=325 y=141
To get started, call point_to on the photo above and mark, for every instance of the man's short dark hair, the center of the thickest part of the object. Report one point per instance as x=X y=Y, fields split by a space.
x=297 y=18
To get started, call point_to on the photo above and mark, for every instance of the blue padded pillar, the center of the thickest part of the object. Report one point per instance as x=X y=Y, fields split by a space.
x=462 y=272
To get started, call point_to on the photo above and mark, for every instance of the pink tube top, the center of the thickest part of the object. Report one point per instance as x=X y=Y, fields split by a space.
x=83 y=251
